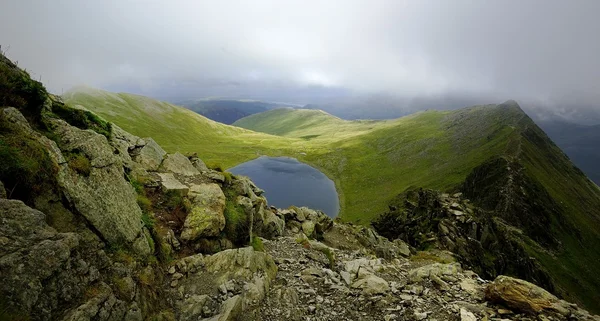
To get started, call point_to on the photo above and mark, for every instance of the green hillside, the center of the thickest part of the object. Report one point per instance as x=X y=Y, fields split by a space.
x=373 y=161
x=438 y=150
x=177 y=128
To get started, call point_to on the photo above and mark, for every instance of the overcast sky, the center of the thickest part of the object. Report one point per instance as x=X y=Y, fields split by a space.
x=545 y=52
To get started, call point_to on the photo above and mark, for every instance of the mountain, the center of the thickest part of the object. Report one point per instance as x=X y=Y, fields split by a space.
x=227 y=111
x=176 y=128
x=371 y=162
x=101 y=224
x=579 y=142
x=507 y=165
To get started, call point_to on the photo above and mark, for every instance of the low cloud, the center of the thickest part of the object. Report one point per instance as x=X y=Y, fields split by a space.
x=543 y=53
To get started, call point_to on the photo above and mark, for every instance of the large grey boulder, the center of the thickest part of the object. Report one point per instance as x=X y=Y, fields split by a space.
x=371 y=284
x=178 y=164
x=204 y=275
x=198 y=163
x=30 y=253
x=169 y=184
x=103 y=197
x=524 y=296
x=150 y=156
x=206 y=217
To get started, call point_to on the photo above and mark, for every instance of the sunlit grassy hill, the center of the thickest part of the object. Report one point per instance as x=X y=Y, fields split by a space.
x=178 y=129
x=373 y=161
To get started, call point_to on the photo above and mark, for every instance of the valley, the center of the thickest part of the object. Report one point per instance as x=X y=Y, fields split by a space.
x=373 y=161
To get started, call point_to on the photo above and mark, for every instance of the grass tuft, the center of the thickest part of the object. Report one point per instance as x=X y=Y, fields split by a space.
x=79 y=163
x=257 y=244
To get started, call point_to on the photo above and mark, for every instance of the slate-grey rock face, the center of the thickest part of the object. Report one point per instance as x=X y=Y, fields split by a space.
x=103 y=197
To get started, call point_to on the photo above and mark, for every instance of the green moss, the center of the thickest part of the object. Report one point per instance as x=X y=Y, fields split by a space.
x=148 y=219
x=175 y=201
x=257 y=244
x=237 y=222
x=26 y=169
x=150 y=241
x=82 y=119
x=215 y=166
x=430 y=257
x=329 y=254
x=228 y=177
x=18 y=90
x=144 y=202
x=79 y=163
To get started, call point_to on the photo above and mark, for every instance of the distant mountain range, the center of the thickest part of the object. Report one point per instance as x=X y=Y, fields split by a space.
x=579 y=142
x=227 y=111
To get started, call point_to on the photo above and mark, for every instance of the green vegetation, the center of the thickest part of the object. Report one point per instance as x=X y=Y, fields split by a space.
x=148 y=219
x=257 y=244
x=26 y=169
x=82 y=119
x=329 y=254
x=237 y=222
x=431 y=149
x=79 y=163
x=373 y=161
x=18 y=90
x=228 y=177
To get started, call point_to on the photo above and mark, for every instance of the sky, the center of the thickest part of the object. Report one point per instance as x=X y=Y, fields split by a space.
x=544 y=54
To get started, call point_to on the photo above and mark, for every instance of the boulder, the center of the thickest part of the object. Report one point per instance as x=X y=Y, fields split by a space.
x=178 y=164
x=150 y=156
x=230 y=310
x=30 y=253
x=273 y=226
x=240 y=263
x=466 y=315
x=436 y=269
x=198 y=163
x=212 y=273
x=206 y=218
x=103 y=196
x=168 y=183
x=123 y=143
x=308 y=227
x=371 y=284
x=196 y=306
x=214 y=175
x=402 y=247
x=522 y=295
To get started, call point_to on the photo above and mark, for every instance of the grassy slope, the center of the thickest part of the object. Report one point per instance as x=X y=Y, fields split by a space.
x=179 y=129
x=576 y=266
x=372 y=161
x=437 y=150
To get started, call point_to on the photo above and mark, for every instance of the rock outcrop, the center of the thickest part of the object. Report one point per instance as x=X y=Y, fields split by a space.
x=101 y=194
x=206 y=218
x=491 y=246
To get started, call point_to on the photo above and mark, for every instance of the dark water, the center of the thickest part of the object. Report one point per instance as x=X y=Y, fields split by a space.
x=287 y=181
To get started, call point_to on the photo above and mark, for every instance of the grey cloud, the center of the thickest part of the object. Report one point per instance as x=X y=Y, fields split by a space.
x=544 y=53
